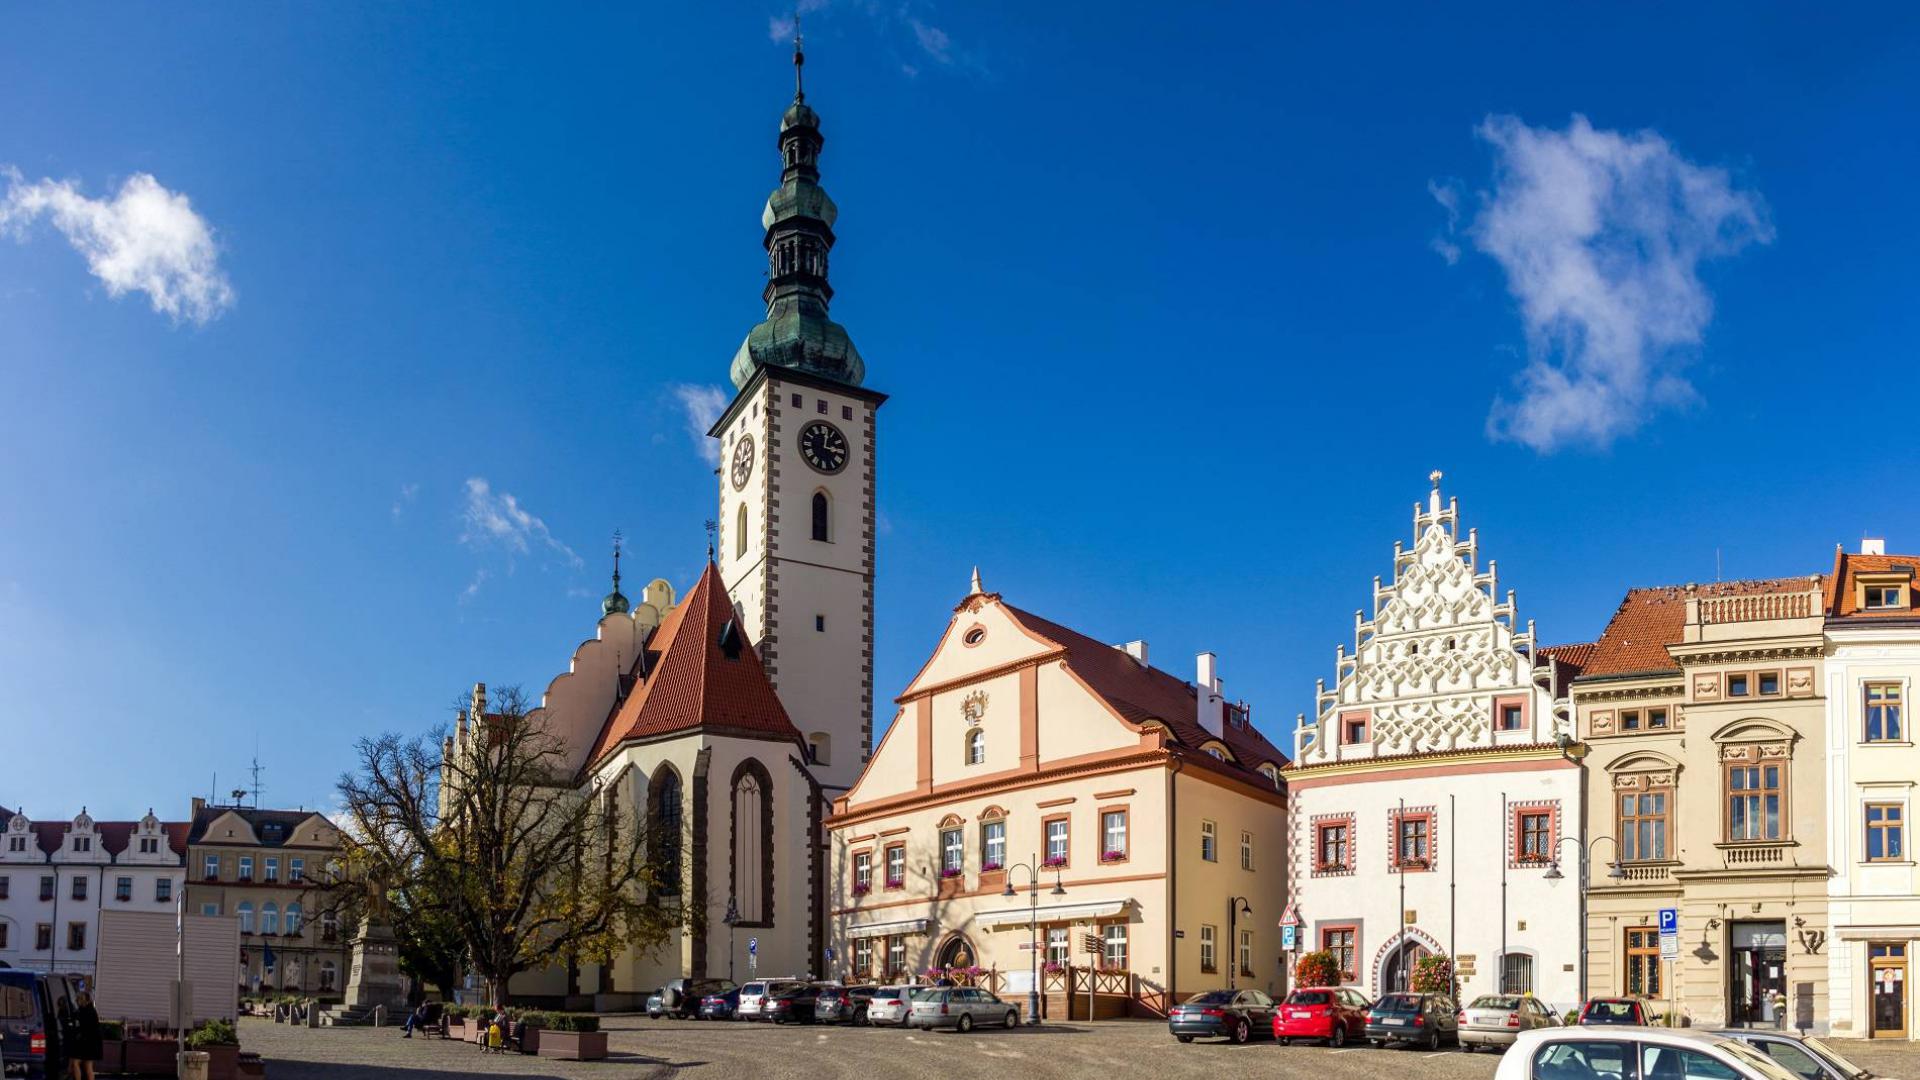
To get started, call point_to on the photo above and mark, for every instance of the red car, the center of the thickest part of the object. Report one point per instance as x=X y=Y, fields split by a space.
x=1333 y=1013
x=1605 y=1011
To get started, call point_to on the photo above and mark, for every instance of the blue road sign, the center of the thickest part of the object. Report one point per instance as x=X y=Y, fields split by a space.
x=753 y=945
x=829 y=954
x=1286 y=937
x=1669 y=922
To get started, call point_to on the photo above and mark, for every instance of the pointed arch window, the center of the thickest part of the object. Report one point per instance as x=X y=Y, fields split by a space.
x=666 y=831
x=752 y=853
x=822 y=513
x=740 y=533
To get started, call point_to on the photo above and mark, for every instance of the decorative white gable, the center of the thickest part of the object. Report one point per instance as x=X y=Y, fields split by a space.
x=1437 y=664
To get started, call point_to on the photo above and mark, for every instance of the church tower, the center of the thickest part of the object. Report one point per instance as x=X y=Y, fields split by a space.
x=796 y=525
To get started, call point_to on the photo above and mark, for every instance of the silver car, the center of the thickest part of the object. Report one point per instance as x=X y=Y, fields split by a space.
x=1496 y=1019
x=891 y=1005
x=961 y=1008
x=1808 y=1058
x=754 y=995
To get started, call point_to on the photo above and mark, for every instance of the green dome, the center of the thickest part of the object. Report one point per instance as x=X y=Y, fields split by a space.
x=614 y=604
x=798 y=334
x=799 y=114
x=799 y=198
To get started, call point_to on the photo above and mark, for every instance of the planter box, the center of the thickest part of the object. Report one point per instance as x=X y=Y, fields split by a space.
x=574 y=1045
x=110 y=1056
x=223 y=1062
x=148 y=1057
x=530 y=1042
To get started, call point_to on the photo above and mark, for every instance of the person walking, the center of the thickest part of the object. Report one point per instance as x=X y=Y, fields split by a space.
x=85 y=1048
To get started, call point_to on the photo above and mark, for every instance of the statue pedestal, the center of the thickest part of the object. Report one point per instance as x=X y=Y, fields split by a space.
x=376 y=971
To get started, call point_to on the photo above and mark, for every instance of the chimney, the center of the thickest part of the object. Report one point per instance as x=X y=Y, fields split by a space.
x=1873 y=545
x=199 y=804
x=1136 y=649
x=1209 y=707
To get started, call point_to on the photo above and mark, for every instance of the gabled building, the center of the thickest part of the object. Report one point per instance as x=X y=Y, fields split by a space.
x=1430 y=801
x=1703 y=709
x=264 y=867
x=1872 y=667
x=57 y=876
x=1024 y=750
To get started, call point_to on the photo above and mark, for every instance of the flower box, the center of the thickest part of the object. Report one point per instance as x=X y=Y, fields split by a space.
x=896 y=883
x=951 y=872
x=990 y=866
x=573 y=1045
x=862 y=888
x=1053 y=862
x=148 y=1057
x=1112 y=856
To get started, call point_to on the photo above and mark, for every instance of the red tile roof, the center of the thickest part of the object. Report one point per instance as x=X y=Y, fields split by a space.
x=1140 y=692
x=1843 y=600
x=1649 y=620
x=689 y=682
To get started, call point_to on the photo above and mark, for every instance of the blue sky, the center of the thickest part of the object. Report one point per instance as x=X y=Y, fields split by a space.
x=1178 y=306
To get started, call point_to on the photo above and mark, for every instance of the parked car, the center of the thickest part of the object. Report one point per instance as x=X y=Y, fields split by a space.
x=1494 y=1019
x=1808 y=1058
x=1622 y=1053
x=754 y=996
x=961 y=1008
x=1615 y=1010
x=890 y=1006
x=721 y=1006
x=843 y=1004
x=1417 y=1019
x=1333 y=1013
x=797 y=1004
x=31 y=1008
x=656 y=1005
x=680 y=998
x=1236 y=1015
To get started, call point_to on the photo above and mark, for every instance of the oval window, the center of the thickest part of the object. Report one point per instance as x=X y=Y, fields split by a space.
x=975 y=636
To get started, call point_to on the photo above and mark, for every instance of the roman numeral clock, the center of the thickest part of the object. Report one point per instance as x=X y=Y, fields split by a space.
x=823 y=447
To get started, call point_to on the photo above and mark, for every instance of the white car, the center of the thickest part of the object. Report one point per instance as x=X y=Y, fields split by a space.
x=891 y=1005
x=1634 y=1053
x=754 y=995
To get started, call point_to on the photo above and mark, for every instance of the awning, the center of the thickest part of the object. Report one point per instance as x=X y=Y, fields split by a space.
x=888 y=929
x=1018 y=916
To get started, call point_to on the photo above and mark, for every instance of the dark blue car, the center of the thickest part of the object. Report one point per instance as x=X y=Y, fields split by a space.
x=721 y=1006
x=31 y=1005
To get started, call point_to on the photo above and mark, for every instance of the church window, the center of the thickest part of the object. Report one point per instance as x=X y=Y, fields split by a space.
x=796 y=401
x=976 y=747
x=666 y=831
x=740 y=533
x=752 y=846
x=820 y=624
x=820 y=406
x=821 y=514
x=819 y=745
x=846 y=412
x=975 y=636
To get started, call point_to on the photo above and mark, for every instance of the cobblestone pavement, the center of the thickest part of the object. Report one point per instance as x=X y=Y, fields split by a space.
x=649 y=1049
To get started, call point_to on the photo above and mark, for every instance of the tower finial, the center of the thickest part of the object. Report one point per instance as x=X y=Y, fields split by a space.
x=1435 y=476
x=615 y=603
x=977 y=590
x=799 y=58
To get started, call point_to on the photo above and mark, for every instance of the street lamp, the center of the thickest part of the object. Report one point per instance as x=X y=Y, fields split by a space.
x=732 y=916
x=1236 y=907
x=1585 y=851
x=1033 y=925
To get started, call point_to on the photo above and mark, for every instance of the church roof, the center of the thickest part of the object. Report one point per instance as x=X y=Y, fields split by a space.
x=1648 y=620
x=697 y=673
x=1139 y=692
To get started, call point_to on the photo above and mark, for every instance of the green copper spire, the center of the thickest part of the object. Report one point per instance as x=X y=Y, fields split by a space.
x=799 y=233
x=615 y=603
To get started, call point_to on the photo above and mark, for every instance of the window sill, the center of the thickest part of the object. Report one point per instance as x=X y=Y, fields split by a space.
x=1740 y=845
x=1886 y=742
x=1886 y=862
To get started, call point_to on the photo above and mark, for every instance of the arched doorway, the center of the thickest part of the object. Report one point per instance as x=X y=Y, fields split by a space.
x=956 y=952
x=1396 y=971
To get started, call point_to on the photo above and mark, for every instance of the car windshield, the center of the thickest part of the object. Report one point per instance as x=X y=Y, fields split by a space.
x=1399 y=1003
x=1309 y=997
x=1495 y=1001
x=1758 y=1060
x=1823 y=1049
x=1212 y=997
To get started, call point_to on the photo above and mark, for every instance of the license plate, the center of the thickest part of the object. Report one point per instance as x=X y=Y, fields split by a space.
x=1396 y=1023
x=1297 y=1014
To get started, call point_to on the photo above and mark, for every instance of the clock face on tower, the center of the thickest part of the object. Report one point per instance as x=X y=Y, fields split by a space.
x=823 y=447
x=742 y=461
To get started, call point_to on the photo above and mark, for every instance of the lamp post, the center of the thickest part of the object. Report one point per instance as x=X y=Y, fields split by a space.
x=1033 y=925
x=732 y=916
x=1614 y=873
x=1236 y=907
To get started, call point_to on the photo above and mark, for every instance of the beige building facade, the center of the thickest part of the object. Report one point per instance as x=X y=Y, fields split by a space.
x=1148 y=809
x=1702 y=710
x=263 y=868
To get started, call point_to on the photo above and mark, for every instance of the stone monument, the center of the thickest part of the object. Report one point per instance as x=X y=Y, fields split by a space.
x=375 y=959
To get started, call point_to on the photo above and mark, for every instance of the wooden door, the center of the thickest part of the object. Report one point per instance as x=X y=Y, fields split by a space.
x=1887 y=990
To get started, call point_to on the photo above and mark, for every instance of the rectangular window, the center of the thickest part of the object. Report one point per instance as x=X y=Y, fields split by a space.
x=1331 y=846
x=211 y=868
x=246 y=868
x=83 y=843
x=1739 y=685
x=1341 y=942
x=4 y=927
x=5 y=887
x=1413 y=842
x=163 y=890
x=1656 y=718
x=296 y=870
x=1510 y=718
x=1207 y=965
x=1643 y=825
x=1353 y=730
x=1209 y=848
x=76 y=936
x=79 y=888
x=1246 y=952
x=1629 y=719
x=123 y=889
x=846 y=412
x=1246 y=851
x=46 y=888
x=1643 y=961
x=273 y=869
x=1754 y=797
x=1113 y=835
x=862 y=872
x=1536 y=836
x=1883 y=713
x=1056 y=841
x=209 y=909
x=43 y=936
x=953 y=852
x=863 y=956
x=896 y=957
x=897 y=866
x=796 y=401
x=1883 y=597
x=820 y=624
x=1516 y=974
x=1113 y=953
x=1768 y=683
x=993 y=845
x=1059 y=945
x=1886 y=840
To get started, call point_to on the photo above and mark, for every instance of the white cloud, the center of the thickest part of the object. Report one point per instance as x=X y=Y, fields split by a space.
x=1601 y=235
x=497 y=520
x=408 y=493
x=893 y=22
x=145 y=239
x=933 y=41
x=1447 y=195
x=702 y=406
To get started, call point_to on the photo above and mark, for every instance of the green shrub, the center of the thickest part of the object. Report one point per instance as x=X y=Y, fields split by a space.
x=564 y=1021
x=535 y=1019
x=459 y=1012
x=212 y=1033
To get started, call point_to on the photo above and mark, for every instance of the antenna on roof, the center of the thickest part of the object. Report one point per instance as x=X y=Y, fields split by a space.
x=256 y=769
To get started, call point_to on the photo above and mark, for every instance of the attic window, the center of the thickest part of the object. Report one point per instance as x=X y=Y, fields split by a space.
x=1883 y=597
x=974 y=636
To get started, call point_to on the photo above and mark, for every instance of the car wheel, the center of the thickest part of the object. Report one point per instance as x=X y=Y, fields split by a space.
x=965 y=1025
x=1184 y=1038
x=1283 y=1040
x=1339 y=1038
x=1242 y=1032
x=1013 y=1019
x=1433 y=1040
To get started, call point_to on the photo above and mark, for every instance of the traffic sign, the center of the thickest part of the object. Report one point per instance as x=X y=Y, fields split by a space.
x=1287 y=937
x=829 y=954
x=753 y=945
x=1669 y=946
x=1669 y=922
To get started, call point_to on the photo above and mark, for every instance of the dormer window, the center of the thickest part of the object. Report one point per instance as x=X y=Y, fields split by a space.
x=1883 y=597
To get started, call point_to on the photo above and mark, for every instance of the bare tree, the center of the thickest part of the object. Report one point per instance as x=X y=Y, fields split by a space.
x=492 y=833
